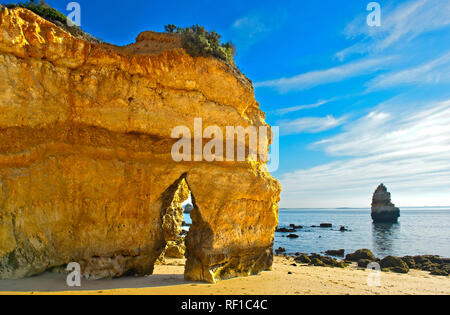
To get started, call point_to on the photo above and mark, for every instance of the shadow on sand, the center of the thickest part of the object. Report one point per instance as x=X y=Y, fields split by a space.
x=52 y=282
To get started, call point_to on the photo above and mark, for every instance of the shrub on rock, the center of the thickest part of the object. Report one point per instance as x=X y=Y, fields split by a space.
x=199 y=42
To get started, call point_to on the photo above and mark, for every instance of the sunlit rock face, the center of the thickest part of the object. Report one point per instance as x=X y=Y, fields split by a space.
x=86 y=171
x=383 y=210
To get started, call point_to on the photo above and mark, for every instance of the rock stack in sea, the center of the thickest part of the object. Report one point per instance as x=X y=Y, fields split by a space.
x=383 y=210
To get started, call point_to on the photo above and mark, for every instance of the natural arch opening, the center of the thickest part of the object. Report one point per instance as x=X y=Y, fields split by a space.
x=176 y=222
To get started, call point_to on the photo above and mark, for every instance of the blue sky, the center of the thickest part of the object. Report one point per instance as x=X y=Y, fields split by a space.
x=357 y=105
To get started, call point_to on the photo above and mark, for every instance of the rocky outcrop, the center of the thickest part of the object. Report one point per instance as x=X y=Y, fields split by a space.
x=360 y=254
x=394 y=264
x=86 y=172
x=383 y=210
x=175 y=249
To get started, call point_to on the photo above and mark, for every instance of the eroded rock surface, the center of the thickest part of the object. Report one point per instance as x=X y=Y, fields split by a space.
x=383 y=210
x=86 y=172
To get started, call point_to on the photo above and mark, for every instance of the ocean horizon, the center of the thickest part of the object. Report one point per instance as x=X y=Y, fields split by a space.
x=366 y=208
x=420 y=231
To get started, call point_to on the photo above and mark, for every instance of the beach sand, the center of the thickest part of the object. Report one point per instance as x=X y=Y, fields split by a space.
x=168 y=280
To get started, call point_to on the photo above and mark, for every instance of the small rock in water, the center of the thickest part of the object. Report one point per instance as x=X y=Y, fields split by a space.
x=285 y=230
x=326 y=225
x=296 y=226
x=292 y=236
x=343 y=229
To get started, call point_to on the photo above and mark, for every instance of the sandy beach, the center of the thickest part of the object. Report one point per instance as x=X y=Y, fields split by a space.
x=283 y=280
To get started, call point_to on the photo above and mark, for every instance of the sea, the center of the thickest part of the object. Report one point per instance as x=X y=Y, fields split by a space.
x=420 y=231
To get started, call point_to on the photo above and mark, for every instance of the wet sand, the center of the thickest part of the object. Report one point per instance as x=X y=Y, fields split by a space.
x=168 y=280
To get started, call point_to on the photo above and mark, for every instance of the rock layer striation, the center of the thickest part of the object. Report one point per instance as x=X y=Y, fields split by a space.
x=86 y=172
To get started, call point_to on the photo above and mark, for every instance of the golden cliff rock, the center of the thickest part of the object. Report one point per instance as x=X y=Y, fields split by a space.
x=86 y=171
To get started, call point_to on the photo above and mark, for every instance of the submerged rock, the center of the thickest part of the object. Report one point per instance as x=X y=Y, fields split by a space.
x=285 y=230
x=383 y=210
x=86 y=167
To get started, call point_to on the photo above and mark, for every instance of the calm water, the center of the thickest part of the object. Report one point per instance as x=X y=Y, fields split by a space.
x=420 y=231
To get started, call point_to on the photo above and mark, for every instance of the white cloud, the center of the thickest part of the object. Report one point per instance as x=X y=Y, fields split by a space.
x=257 y=25
x=287 y=110
x=403 y=22
x=432 y=72
x=410 y=152
x=309 y=124
x=315 y=78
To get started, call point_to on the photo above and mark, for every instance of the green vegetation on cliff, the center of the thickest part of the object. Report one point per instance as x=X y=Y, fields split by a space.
x=43 y=10
x=199 y=42
x=52 y=15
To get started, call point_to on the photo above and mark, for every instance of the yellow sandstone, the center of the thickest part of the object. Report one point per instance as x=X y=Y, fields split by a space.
x=86 y=172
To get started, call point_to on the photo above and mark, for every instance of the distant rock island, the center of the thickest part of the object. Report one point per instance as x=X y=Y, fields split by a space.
x=188 y=208
x=383 y=210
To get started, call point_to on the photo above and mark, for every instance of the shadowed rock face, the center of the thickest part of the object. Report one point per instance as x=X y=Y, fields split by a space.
x=383 y=210
x=86 y=172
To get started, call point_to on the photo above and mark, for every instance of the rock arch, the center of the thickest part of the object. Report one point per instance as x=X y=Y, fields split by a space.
x=86 y=172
